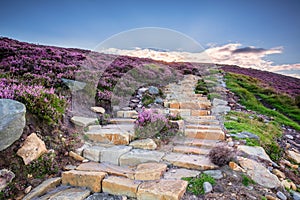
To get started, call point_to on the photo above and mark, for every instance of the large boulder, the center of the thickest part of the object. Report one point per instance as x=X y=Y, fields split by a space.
x=12 y=122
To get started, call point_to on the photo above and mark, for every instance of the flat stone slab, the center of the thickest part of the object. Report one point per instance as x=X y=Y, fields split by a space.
x=205 y=134
x=294 y=156
x=195 y=142
x=149 y=171
x=138 y=156
x=126 y=114
x=191 y=150
x=89 y=179
x=254 y=151
x=198 y=162
x=93 y=153
x=68 y=194
x=110 y=136
x=43 y=188
x=197 y=120
x=120 y=186
x=121 y=121
x=104 y=196
x=107 y=168
x=178 y=174
x=83 y=121
x=216 y=174
x=112 y=154
x=205 y=127
x=164 y=189
x=98 y=109
x=147 y=144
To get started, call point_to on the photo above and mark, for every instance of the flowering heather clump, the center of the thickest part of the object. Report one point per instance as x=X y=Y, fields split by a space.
x=150 y=123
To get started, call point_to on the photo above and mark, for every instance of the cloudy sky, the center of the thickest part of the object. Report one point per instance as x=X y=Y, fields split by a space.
x=259 y=33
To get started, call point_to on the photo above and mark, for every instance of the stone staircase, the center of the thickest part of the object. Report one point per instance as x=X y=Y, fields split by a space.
x=115 y=165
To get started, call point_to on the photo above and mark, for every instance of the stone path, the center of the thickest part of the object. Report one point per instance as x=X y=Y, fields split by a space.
x=118 y=165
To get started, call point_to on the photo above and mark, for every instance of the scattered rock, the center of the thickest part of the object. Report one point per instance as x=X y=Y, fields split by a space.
x=28 y=189
x=149 y=171
x=281 y=196
x=103 y=196
x=32 y=149
x=289 y=137
x=217 y=102
x=12 y=122
x=244 y=135
x=69 y=167
x=6 y=177
x=278 y=173
x=216 y=174
x=76 y=156
x=83 y=121
x=153 y=90
x=158 y=100
x=259 y=173
x=43 y=188
x=148 y=144
x=270 y=197
x=296 y=195
x=91 y=180
x=98 y=110
x=180 y=173
x=207 y=187
x=294 y=156
x=235 y=167
x=254 y=151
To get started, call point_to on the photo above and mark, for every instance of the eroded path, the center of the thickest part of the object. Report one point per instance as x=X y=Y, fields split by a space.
x=115 y=164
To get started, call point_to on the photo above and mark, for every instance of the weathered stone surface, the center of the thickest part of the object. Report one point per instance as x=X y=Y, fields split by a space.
x=12 y=122
x=190 y=150
x=174 y=105
x=198 y=162
x=91 y=180
x=196 y=142
x=181 y=112
x=68 y=194
x=112 y=154
x=235 y=167
x=217 y=101
x=199 y=112
x=205 y=134
x=149 y=171
x=6 y=177
x=259 y=173
x=107 y=168
x=43 y=188
x=199 y=126
x=220 y=109
x=153 y=90
x=281 y=196
x=195 y=105
x=294 y=156
x=278 y=173
x=245 y=134
x=178 y=174
x=83 y=121
x=216 y=174
x=147 y=144
x=254 y=151
x=121 y=121
x=76 y=156
x=138 y=156
x=98 y=110
x=120 y=186
x=93 y=153
x=207 y=187
x=113 y=136
x=74 y=85
x=94 y=127
x=164 y=189
x=104 y=196
x=296 y=195
x=32 y=149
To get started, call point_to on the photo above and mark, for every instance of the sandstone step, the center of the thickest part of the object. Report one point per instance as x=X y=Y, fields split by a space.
x=83 y=121
x=113 y=136
x=196 y=120
x=127 y=114
x=188 y=112
x=122 y=121
x=138 y=156
x=91 y=180
x=191 y=150
x=204 y=134
x=198 y=162
x=67 y=194
x=205 y=127
x=179 y=173
x=150 y=171
x=195 y=142
x=124 y=126
x=195 y=105
x=163 y=189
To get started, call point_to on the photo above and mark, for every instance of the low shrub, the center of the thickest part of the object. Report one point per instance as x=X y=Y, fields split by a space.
x=221 y=155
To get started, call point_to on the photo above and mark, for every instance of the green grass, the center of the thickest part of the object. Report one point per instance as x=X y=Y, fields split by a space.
x=247 y=180
x=282 y=107
x=201 y=87
x=196 y=183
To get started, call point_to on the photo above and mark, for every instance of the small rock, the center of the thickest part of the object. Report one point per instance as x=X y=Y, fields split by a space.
x=103 y=196
x=142 y=90
x=153 y=90
x=98 y=110
x=244 y=134
x=235 y=167
x=32 y=149
x=28 y=189
x=289 y=137
x=207 y=187
x=219 y=188
x=6 y=177
x=296 y=195
x=76 y=156
x=216 y=174
x=135 y=100
x=270 y=197
x=83 y=121
x=217 y=102
x=231 y=144
x=286 y=184
x=69 y=167
x=278 y=173
x=144 y=144
x=126 y=108
x=254 y=151
x=158 y=100
x=294 y=156
x=281 y=196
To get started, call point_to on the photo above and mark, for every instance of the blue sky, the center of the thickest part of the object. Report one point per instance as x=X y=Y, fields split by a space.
x=84 y=24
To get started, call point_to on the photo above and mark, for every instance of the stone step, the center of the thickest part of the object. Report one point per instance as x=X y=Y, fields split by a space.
x=189 y=112
x=122 y=121
x=205 y=127
x=198 y=162
x=195 y=142
x=138 y=156
x=205 y=134
x=201 y=105
x=127 y=114
x=198 y=121
x=111 y=136
x=191 y=150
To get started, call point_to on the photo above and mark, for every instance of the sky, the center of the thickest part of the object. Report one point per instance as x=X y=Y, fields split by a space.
x=263 y=32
